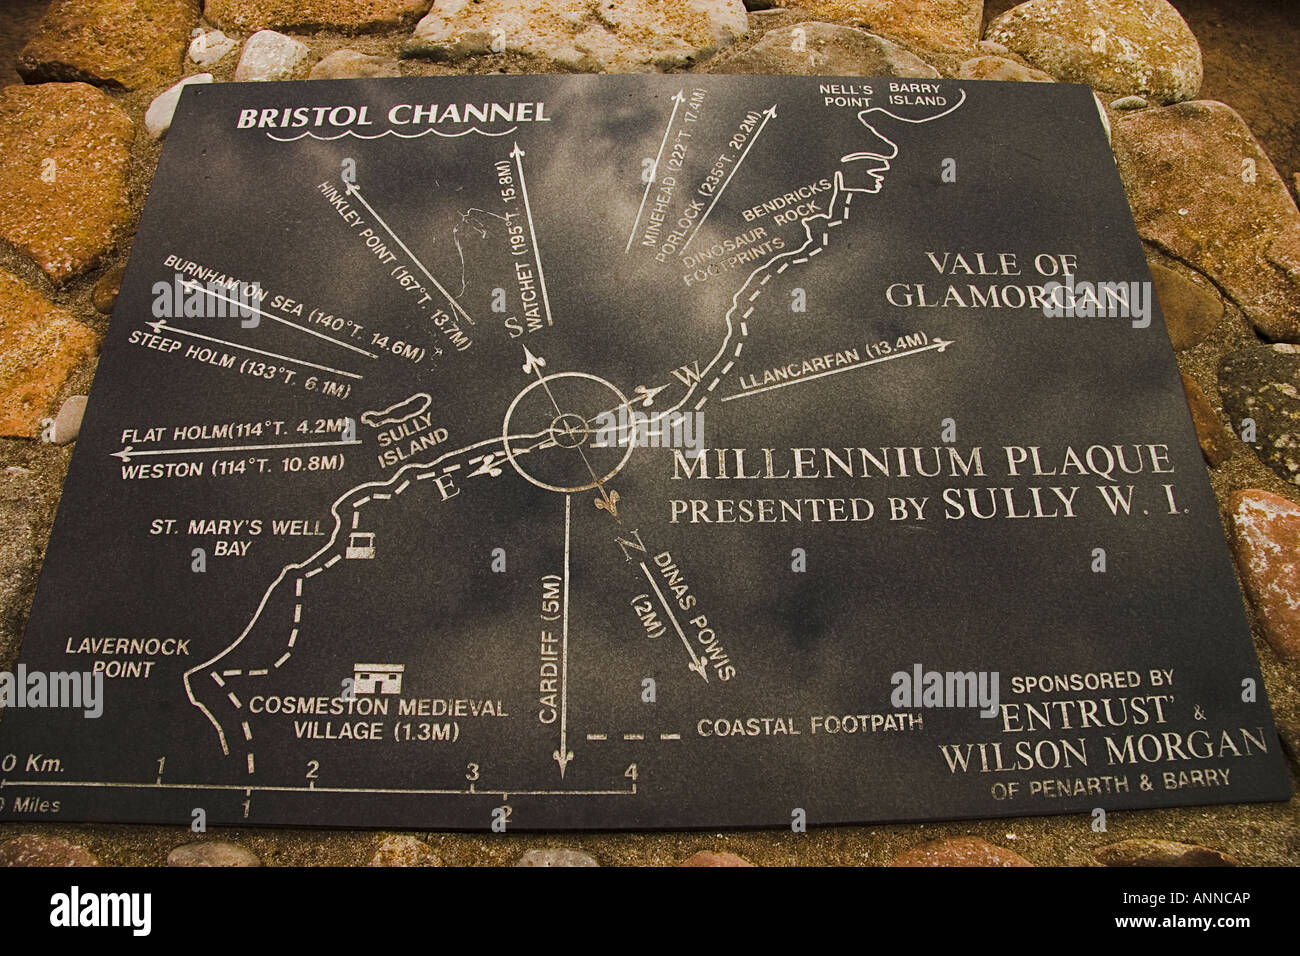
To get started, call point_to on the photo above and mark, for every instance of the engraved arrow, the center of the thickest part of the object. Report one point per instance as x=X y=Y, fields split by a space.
x=697 y=664
x=194 y=286
x=938 y=345
x=610 y=504
x=489 y=464
x=129 y=452
x=646 y=396
x=769 y=113
x=564 y=755
x=532 y=363
x=678 y=100
x=160 y=325
x=518 y=155
x=353 y=190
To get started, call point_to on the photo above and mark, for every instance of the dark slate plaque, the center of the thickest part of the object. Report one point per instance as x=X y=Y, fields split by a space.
x=373 y=549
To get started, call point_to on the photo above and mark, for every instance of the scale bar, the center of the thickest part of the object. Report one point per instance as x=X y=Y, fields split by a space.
x=114 y=785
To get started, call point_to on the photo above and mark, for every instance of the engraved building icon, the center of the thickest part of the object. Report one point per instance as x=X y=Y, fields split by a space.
x=361 y=544
x=377 y=678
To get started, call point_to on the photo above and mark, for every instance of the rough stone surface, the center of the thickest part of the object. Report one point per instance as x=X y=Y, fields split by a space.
x=1216 y=443
x=400 y=850
x=104 y=295
x=347 y=16
x=1203 y=192
x=959 y=851
x=1000 y=68
x=1262 y=383
x=709 y=858
x=33 y=850
x=125 y=44
x=1141 y=47
x=1160 y=853
x=210 y=46
x=1266 y=543
x=212 y=854
x=828 y=50
x=556 y=858
x=349 y=64
x=929 y=23
x=19 y=543
x=64 y=162
x=1129 y=103
x=1191 y=308
x=270 y=56
x=1288 y=729
x=39 y=345
x=631 y=36
x=67 y=423
x=158 y=117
